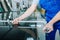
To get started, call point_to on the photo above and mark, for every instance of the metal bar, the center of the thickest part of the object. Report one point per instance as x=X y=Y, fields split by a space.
x=23 y=21
x=26 y=27
x=20 y=27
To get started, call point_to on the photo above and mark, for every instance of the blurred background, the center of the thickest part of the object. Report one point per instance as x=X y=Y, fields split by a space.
x=29 y=29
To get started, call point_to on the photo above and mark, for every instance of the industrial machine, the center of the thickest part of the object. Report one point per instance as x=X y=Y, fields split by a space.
x=27 y=29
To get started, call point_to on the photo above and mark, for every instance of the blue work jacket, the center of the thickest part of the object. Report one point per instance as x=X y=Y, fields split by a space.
x=52 y=7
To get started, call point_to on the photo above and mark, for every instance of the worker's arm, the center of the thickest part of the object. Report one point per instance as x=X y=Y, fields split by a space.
x=26 y=14
x=55 y=19
x=50 y=24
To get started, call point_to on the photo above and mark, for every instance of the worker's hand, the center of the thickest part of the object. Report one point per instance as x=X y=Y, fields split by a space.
x=16 y=21
x=48 y=28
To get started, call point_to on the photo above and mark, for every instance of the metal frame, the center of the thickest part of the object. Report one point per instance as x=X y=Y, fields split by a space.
x=23 y=21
